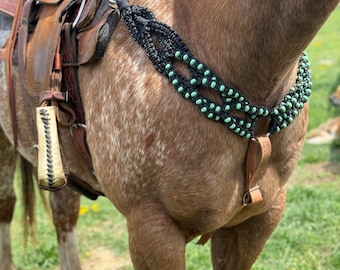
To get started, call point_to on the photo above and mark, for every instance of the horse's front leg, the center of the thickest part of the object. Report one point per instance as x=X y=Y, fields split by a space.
x=238 y=247
x=65 y=207
x=7 y=200
x=155 y=240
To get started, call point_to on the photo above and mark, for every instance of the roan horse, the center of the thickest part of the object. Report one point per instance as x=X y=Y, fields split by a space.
x=171 y=172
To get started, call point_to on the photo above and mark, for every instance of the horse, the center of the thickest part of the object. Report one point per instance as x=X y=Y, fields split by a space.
x=195 y=119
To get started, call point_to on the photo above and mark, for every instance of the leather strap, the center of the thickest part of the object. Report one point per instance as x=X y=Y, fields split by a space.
x=9 y=63
x=8 y=7
x=256 y=161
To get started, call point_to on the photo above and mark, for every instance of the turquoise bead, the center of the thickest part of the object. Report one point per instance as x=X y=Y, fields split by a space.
x=213 y=84
x=193 y=81
x=204 y=109
x=174 y=82
x=204 y=81
x=227 y=120
x=194 y=94
x=180 y=89
x=193 y=62
x=198 y=101
x=199 y=66
x=177 y=54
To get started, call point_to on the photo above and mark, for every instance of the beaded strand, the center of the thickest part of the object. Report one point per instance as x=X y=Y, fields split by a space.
x=144 y=28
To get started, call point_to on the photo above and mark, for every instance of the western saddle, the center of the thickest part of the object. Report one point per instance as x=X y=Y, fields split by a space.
x=52 y=38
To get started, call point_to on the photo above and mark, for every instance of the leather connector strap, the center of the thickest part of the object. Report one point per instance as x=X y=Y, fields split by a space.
x=258 y=155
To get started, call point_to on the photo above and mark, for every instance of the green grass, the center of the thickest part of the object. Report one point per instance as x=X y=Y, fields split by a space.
x=308 y=235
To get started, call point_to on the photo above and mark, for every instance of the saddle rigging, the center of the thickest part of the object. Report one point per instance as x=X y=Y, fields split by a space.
x=53 y=38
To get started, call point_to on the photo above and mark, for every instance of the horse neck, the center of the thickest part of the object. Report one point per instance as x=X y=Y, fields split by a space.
x=253 y=47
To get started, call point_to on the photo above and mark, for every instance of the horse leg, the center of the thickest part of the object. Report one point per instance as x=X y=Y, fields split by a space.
x=238 y=247
x=155 y=240
x=65 y=207
x=7 y=200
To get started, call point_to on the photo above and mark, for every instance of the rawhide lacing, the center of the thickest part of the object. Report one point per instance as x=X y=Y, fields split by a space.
x=145 y=28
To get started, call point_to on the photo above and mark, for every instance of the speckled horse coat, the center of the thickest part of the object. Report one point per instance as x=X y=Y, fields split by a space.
x=171 y=172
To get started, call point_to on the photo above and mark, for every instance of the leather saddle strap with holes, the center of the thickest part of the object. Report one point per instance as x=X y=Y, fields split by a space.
x=42 y=46
x=257 y=158
x=70 y=73
x=9 y=63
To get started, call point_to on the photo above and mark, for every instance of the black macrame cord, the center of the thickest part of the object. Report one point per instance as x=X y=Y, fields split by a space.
x=145 y=28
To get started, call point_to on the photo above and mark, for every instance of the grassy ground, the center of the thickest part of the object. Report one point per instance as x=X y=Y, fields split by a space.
x=307 y=237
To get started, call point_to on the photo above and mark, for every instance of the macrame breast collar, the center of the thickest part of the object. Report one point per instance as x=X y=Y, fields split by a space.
x=145 y=28
x=170 y=49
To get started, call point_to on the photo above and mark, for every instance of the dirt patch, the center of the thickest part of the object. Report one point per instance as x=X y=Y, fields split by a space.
x=316 y=173
x=102 y=258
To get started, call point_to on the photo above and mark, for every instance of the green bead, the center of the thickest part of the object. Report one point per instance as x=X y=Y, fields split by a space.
x=284 y=125
x=199 y=66
x=174 y=81
x=210 y=115
x=204 y=81
x=282 y=108
x=248 y=136
x=238 y=106
x=242 y=133
x=171 y=74
x=217 y=118
x=187 y=95
x=276 y=112
x=236 y=95
x=207 y=72
x=222 y=88
x=177 y=54
x=232 y=126
x=185 y=57
x=248 y=125
x=198 y=101
x=247 y=108
x=227 y=107
x=253 y=110
x=193 y=62
x=180 y=89
x=193 y=81
x=237 y=130
x=218 y=109
x=167 y=66
x=213 y=84
x=212 y=106
x=227 y=120
x=204 y=109
x=194 y=94
x=230 y=92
